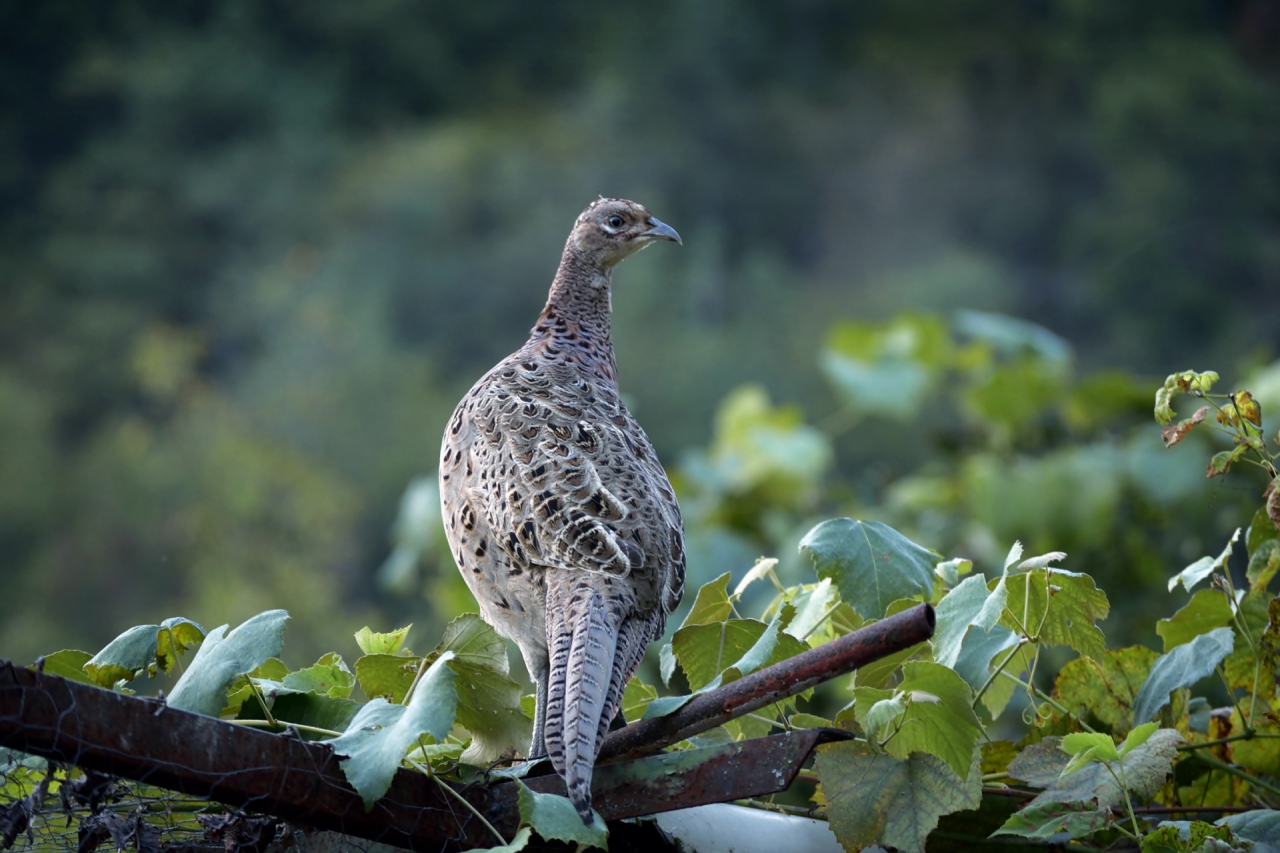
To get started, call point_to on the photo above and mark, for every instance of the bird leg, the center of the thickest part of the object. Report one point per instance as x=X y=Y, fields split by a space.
x=538 y=749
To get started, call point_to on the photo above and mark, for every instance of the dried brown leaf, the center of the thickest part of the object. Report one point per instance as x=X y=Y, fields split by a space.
x=1173 y=434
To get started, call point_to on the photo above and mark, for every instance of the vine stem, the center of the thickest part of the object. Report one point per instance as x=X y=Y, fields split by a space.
x=417 y=676
x=266 y=709
x=1045 y=697
x=426 y=769
x=1251 y=735
x=1124 y=787
x=999 y=669
x=278 y=724
x=1234 y=771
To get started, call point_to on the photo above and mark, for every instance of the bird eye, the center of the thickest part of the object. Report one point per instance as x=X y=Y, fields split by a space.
x=615 y=221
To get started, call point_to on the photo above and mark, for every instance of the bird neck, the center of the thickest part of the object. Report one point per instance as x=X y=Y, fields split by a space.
x=579 y=302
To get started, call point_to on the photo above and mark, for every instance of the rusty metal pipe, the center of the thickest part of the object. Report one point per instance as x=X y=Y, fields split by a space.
x=772 y=684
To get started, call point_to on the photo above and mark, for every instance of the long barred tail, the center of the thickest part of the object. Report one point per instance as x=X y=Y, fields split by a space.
x=582 y=664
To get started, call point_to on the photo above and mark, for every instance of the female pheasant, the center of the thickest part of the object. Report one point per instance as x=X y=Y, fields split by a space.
x=560 y=517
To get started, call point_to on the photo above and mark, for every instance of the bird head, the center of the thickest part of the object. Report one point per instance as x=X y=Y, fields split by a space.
x=612 y=229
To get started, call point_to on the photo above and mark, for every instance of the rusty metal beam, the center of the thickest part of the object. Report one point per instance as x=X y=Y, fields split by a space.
x=144 y=740
x=772 y=684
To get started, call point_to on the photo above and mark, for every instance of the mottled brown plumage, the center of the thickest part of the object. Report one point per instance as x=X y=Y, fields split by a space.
x=560 y=517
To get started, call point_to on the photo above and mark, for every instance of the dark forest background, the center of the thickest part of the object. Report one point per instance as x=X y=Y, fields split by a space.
x=937 y=258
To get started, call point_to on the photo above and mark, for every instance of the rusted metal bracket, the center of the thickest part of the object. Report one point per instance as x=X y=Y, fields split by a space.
x=773 y=684
x=144 y=740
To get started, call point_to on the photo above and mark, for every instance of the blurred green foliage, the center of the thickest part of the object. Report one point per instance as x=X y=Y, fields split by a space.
x=252 y=253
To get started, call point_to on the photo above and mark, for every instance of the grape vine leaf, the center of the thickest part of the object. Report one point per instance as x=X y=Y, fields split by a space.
x=68 y=663
x=813 y=604
x=955 y=613
x=373 y=746
x=143 y=648
x=554 y=817
x=871 y=564
x=636 y=697
x=873 y=798
x=771 y=646
x=1203 y=567
x=1105 y=688
x=943 y=725
x=223 y=657
x=1063 y=605
x=1146 y=767
x=1042 y=820
x=373 y=643
x=1240 y=665
x=712 y=603
x=1260 y=827
x=1207 y=609
x=386 y=676
x=1260 y=530
x=1182 y=667
x=488 y=700
x=1263 y=564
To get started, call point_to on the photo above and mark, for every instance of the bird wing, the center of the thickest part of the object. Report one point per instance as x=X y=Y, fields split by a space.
x=579 y=485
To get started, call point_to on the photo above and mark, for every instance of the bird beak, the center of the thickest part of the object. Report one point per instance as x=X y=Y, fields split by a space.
x=662 y=231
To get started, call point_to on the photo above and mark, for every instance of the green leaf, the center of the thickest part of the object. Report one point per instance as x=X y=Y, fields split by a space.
x=329 y=676
x=488 y=700
x=1182 y=667
x=1145 y=769
x=874 y=798
x=272 y=669
x=69 y=664
x=666 y=663
x=872 y=564
x=140 y=650
x=1207 y=609
x=771 y=646
x=315 y=709
x=1095 y=744
x=636 y=697
x=1203 y=567
x=1040 y=764
x=951 y=570
x=1046 y=819
x=1260 y=531
x=1076 y=604
x=125 y=657
x=175 y=636
x=386 y=676
x=762 y=569
x=1263 y=564
x=813 y=603
x=1138 y=737
x=956 y=612
x=881 y=714
x=372 y=643
x=223 y=657
x=979 y=654
x=947 y=728
x=712 y=603
x=1260 y=827
x=1105 y=688
x=1240 y=665
x=704 y=651
x=554 y=817
x=1220 y=463
x=375 y=743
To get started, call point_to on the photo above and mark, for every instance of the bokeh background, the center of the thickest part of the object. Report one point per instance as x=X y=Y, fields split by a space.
x=937 y=259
